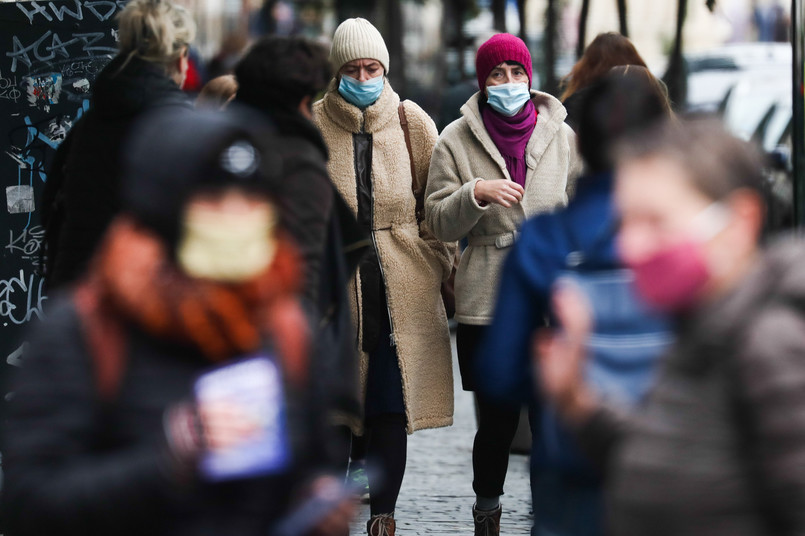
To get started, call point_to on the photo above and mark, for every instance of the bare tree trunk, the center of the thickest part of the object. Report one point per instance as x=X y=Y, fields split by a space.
x=582 y=40
x=394 y=41
x=499 y=15
x=622 y=18
x=675 y=75
x=447 y=15
x=551 y=83
x=453 y=15
x=461 y=40
x=342 y=11
x=346 y=9
x=521 y=7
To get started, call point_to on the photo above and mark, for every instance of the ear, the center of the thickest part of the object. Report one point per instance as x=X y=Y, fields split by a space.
x=750 y=211
x=180 y=66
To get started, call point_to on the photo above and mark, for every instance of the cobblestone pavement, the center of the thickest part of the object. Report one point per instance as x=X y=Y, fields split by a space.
x=436 y=496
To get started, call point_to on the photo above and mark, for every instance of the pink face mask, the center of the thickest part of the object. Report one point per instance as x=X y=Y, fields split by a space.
x=674 y=278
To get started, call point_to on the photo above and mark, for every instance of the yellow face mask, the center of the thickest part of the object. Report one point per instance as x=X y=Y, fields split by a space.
x=227 y=246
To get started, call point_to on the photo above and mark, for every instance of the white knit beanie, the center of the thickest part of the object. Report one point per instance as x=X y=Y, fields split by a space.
x=355 y=39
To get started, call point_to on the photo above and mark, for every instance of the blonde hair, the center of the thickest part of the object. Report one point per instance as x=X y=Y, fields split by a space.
x=156 y=31
x=217 y=93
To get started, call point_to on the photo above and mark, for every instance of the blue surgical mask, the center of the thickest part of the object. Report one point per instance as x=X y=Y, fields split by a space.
x=361 y=94
x=507 y=99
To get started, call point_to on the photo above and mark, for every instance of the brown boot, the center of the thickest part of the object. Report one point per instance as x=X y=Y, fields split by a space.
x=487 y=523
x=381 y=525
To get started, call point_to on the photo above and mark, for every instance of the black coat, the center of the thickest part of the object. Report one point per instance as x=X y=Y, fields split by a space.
x=78 y=463
x=305 y=193
x=573 y=106
x=331 y=244
x=82 y=192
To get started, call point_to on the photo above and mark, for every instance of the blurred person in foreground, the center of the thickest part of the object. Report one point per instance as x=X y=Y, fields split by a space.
x=606 y=51
x=509 y=157
x=279 y=77
x=170 y=392
x=375 y=162
x=82 y=193
x=717 y=447
x=577 y=241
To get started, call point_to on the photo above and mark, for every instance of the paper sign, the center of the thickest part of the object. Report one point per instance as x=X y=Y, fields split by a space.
x=253 y=387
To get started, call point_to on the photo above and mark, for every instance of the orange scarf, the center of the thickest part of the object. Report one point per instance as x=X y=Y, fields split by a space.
x=132 y=278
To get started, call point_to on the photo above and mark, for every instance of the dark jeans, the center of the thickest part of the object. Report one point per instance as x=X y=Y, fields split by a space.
x=386 y=438
x=564 y=506
x=497 y=424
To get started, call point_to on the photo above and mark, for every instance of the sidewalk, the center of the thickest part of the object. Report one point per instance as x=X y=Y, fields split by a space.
x=436 y=496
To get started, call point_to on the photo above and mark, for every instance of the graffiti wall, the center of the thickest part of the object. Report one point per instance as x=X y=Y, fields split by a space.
x=50 y=54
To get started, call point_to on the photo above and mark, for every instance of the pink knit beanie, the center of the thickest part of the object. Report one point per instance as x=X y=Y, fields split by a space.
x=498 y=49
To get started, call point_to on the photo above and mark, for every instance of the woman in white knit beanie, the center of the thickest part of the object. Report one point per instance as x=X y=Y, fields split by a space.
x=380 y=152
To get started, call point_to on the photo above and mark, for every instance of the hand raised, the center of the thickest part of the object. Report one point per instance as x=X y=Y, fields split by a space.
x=501 y=191
x=560 y=355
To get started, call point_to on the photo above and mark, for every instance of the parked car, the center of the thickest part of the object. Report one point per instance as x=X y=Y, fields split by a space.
x=760 y=108
x=712 y=73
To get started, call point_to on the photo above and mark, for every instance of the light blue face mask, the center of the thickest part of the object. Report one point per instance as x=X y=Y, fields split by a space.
x=361 y=94
x=507 y=99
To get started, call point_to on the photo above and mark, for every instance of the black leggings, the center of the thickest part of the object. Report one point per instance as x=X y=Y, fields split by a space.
x=490 y=451
x=496 y=424
x=386 y=452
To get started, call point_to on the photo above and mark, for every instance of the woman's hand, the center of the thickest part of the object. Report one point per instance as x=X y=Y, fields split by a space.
x=501 y=191
x=560 y=356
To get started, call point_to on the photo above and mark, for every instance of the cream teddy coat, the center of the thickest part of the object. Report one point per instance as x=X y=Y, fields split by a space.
x=466 y=154
x=413 y=261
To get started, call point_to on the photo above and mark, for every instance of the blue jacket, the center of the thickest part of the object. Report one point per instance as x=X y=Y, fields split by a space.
x=504 y=361
x=626 y=341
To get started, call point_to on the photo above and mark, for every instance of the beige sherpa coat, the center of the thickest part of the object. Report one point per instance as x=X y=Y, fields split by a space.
x=466 y=154
x=413 y=261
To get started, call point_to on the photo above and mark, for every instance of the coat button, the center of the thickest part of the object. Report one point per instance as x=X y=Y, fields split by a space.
x=531 y=162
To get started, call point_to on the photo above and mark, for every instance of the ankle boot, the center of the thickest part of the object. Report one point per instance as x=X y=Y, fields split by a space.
x=487 y=522
x=381 y=525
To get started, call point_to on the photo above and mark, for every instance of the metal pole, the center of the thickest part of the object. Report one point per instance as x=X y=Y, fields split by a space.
x=798 y=134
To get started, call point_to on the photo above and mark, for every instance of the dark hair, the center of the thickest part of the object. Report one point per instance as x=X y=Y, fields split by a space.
x=627 y=100
x=281 y=71
x=607 y=50
x=717 y=162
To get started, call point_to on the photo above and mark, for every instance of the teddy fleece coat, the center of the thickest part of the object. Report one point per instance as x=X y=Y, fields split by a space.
x=413 y=261
x=466 y=154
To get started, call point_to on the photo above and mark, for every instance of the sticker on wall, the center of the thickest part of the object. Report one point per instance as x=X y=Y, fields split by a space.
x=81 y=86
x=20 y=199
x=43 y=90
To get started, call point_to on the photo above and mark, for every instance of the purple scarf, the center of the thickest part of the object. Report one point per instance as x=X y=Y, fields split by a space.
x=511 y=135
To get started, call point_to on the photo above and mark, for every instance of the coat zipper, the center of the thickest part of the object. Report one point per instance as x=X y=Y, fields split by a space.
x=392 y=339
